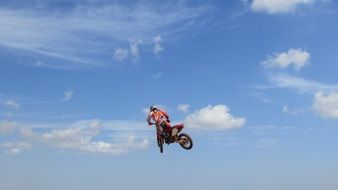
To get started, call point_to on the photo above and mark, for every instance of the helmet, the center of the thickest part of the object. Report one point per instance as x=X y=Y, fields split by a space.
x=153 y=108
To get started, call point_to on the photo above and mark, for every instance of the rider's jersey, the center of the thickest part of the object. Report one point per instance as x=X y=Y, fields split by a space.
x=157 y=116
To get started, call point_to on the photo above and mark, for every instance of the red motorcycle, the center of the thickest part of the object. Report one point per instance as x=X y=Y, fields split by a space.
x=172 y=135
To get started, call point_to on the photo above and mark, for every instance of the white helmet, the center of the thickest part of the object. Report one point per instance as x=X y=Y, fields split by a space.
x=153 y=108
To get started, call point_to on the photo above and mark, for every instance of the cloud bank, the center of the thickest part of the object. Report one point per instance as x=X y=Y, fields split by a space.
x=85 y=136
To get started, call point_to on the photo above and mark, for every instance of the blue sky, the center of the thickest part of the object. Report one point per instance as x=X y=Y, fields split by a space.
x=254 y=81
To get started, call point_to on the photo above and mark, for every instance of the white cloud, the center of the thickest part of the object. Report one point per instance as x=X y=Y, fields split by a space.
x=277 y=6
x=121 y=54
x=134 y=48
x=157 y=46
x=68 y=95
x=7 y=127
x=285 y=108
x=157 y=76
x=76 y=135
x=213 y=117
x=130 y=143
x=82 y=136
x=15 y=148
x=325 y=101
x=76 y=36
x=296 y=57
x=14 y=151
x=12 y=104
x=262 y=97
x=326 y=104
x=133 y=51
x=292 y=110
x=183 y=108
x=297 y=83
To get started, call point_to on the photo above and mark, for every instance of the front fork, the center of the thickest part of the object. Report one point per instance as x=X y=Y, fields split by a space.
x=159 y=141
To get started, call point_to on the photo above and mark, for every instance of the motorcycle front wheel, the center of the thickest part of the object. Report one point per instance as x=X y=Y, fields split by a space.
x=160 y=143
x=185 y=141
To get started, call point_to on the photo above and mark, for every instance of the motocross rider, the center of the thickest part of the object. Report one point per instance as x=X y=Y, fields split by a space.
x=159 y=117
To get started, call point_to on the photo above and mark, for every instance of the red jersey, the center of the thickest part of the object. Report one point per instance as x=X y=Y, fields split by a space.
x=157 y=116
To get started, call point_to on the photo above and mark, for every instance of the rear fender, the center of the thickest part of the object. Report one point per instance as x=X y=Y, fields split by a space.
x=177 y=129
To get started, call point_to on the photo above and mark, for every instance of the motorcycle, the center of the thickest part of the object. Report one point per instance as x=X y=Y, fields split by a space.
x=171 y=135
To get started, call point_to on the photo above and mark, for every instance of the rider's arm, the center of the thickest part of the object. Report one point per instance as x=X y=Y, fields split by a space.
x=165 y=114
x=148 y=119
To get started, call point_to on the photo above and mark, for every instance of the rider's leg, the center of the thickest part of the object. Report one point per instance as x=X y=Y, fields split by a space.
x=159 y=129
x=166 y=128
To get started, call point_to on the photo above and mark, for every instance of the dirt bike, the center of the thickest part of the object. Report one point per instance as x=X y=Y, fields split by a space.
x=171 y=135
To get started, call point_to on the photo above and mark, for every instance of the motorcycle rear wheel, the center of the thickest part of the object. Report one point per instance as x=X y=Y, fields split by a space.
x=185 y=141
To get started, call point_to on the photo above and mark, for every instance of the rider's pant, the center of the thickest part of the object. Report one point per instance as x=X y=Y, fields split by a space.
x=159 y=127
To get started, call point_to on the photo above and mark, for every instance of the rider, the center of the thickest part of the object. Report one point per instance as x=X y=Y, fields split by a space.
x=160 y=117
